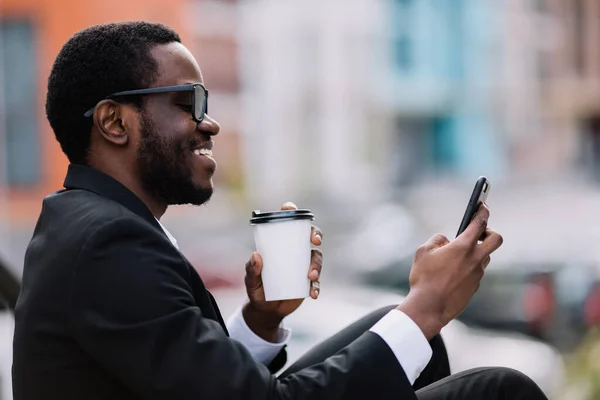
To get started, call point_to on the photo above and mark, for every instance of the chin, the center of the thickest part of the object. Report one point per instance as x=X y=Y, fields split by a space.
x=196 y=195
x=204 y=185
x=202 y=195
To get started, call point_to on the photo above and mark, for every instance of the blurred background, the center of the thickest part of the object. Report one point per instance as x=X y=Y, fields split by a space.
x=379 y=115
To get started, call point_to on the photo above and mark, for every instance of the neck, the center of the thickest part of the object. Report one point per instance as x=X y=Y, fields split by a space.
x=156 y=206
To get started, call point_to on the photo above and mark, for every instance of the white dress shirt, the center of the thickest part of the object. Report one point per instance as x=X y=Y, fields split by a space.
x=402 y=335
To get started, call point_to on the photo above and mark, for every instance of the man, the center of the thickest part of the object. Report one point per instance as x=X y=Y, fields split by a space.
x=110 y=309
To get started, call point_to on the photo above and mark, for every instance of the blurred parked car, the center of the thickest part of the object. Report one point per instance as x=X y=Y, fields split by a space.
x=9 y=292
x=467 y=347
x=554 y=301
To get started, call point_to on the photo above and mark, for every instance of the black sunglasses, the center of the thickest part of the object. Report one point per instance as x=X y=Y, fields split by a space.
x=199 y=97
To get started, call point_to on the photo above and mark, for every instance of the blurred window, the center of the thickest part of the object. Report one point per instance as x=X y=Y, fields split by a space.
x=540 y=6
x=424 y=145
x=403 y=38
x=18 y=103
x=590 y=145
x=443 y=147
x=579 y=35
x=428 y=38
x=403 y=52
x=453 y=39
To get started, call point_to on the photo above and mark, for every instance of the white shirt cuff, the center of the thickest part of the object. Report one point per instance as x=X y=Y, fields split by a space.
x=406 y=341
x=264 y=352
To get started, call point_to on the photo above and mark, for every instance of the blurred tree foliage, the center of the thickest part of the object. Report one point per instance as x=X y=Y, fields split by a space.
x=583 y=368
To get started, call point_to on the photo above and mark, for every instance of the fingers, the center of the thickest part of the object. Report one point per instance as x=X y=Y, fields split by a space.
x=316 y=237
x=491 y=242
x=315 y=289
x=289 y=206
x=253 y=278
x=314 y=272
x=316 y=263
x=477 y=227
x=435 y=242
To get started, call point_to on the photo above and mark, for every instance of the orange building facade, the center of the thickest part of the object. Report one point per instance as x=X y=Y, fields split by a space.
x=52 y=22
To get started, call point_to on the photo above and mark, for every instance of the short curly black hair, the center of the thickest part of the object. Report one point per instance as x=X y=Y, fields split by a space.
x=94 y=63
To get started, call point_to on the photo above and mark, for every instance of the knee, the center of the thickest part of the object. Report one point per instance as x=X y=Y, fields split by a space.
x=515 y=383
x=511 y=376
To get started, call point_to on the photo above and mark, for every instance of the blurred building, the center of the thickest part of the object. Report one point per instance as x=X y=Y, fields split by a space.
x=542 y=138
x=487 y=87
x=366 y=98
x=363 y=97
x=306 y=69
x=572 y=89
x=439 y=88
x=31 y=34
x=335 y=102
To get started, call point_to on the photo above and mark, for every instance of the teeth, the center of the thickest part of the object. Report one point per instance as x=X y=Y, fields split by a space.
x=203 y=152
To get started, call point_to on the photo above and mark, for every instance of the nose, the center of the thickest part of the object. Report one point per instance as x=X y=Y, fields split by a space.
x=209 y=126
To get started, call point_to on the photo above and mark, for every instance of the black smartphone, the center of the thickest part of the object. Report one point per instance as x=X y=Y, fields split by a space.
x=479 y=195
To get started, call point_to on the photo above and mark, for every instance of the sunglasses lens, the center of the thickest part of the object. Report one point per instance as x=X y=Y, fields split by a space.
x=199 y=103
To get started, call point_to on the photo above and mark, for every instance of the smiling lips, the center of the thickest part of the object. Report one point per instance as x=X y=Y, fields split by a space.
x=203 y=152
x=203 y=148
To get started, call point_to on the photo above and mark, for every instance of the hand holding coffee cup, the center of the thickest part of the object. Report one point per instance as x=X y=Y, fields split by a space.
x=277 y=282
x=283 y=241
x=274 y=297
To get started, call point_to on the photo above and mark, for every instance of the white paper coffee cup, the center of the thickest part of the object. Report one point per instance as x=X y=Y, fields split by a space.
x=282 y=238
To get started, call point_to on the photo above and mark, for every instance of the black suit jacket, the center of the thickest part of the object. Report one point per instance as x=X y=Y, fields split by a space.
x=110 y=309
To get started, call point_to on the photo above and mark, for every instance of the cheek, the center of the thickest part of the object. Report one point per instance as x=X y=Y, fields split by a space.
x=183 y=139
x=170 y=120
x=174 y=128
x=135 y=137
x=179 y=130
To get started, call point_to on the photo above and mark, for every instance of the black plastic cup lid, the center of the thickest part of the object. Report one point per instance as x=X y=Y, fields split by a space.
x=280 y=216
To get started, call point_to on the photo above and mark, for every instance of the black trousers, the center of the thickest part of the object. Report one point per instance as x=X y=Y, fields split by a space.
x=435 y=382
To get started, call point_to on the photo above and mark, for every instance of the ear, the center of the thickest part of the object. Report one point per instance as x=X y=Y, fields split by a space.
x=114 y=121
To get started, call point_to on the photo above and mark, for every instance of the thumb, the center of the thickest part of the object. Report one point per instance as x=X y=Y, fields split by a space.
x=253 y=279
x=289 y=206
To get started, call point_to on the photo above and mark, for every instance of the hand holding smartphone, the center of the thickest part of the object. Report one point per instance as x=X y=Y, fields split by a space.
x=445 y=274
x=479 y=195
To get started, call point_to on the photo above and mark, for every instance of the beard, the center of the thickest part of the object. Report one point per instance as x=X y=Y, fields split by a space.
x=165 y=168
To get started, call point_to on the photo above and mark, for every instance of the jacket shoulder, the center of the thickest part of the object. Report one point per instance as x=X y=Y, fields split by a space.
x=70 y=217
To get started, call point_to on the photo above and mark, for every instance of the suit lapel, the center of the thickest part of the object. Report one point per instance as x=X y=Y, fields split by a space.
x=217 y=312
x=86 y=178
